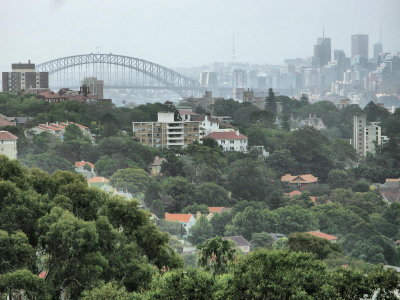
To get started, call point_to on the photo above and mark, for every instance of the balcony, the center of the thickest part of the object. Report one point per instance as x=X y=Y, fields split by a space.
x=173 y=143
x=175 y=126
x=175 y=138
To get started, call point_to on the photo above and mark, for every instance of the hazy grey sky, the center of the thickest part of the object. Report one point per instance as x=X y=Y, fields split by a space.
x=189 y=32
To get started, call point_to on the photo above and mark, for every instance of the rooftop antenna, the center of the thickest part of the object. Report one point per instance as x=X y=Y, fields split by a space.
x=323 y=31
x=380 y=32
x=233 y=48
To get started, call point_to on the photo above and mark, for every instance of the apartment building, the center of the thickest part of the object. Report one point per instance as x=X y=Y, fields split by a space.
x=24 y=76
x=365 y=136
x=167 y=132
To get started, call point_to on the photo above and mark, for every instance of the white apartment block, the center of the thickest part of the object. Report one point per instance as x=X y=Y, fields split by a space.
x=372 y=137
x=8 y=144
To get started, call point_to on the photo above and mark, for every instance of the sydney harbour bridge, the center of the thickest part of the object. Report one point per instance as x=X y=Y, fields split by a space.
x=118 y=72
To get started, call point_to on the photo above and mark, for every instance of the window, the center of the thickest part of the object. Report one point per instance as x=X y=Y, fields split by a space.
x=222 y=141
x=232 y=148
x=232 y=141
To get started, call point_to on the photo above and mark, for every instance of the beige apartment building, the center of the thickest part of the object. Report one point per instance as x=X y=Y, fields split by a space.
x=8 y=144
x=366 y=136
x=167 y=132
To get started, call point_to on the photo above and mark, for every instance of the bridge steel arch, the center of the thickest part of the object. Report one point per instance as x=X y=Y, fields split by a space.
x=172 y=80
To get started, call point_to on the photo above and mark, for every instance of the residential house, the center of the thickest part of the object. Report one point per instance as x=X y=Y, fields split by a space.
x=300 y=182
x=313 y=199
x=8 y=144
x=58 y=129
x=5 y=122
x=155 y=166
x=390 y=190
x=85 y=168
x=230 y=140
x=98 y=182
x=208 y=124
x=51 y=97
x=187 y=220
x=218 y=210
x=322 y=235
x=19 y=121
x=260 y=150
x=276 y=236
x=240 y=242
x=313 y=121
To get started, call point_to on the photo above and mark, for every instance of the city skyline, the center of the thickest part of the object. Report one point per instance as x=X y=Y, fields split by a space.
x=156 y=31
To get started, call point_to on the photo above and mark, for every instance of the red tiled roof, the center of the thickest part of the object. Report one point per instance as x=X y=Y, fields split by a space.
x=70 y=123
x=4 y=122
x=184 y=218
x=323 y=235
x=226 y=135
x=80 y=164
x=43 y=274
x=392 y=179
x=306 y=178
x=7 y=136
x=293 y=193
x=50 y=95
x=214 y=210
x=98 y=179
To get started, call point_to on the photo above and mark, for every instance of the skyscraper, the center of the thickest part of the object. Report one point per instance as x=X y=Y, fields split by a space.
x=359 y=45
x=378 y=49
x=340 y=57
x=322 y=52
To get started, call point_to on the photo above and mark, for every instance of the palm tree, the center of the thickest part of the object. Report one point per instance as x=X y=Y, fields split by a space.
x=215 y=254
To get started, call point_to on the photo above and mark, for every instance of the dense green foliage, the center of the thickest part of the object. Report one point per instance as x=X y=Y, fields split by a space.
x=94 y=245
x=80 y=236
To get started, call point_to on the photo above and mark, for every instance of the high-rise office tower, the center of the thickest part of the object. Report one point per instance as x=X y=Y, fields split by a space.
x=378 y=49
x=359 y=45
x=322 y=52
x=24 y=76
x=209 y=79
x=340 y=57
x=239 y=78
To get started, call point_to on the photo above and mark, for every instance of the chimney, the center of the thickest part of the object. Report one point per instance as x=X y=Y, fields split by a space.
x=47 y=123
x=198 y=215
x=237 y=132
